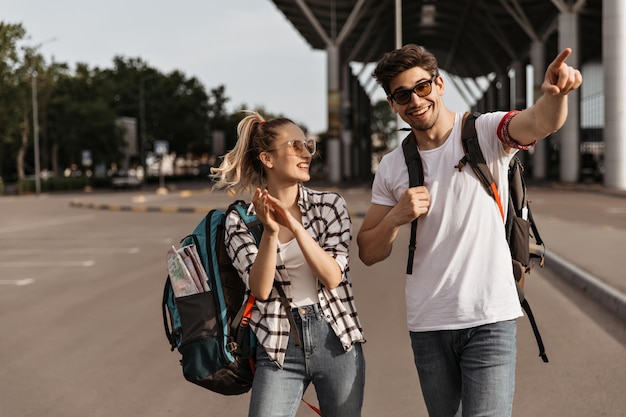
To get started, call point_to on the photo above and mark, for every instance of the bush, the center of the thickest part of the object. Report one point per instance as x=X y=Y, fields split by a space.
x=27 y=186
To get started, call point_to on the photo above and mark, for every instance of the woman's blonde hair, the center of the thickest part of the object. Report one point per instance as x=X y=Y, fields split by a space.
x=241 y=170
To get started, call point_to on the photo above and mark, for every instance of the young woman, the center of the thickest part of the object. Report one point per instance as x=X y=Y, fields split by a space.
x=304 y=251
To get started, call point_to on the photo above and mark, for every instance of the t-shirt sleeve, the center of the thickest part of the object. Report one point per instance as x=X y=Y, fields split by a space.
x=382 y=192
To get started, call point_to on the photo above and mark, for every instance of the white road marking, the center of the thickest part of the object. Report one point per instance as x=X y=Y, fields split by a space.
x=616 y=210
x=90 y=251
x=38 y=225
x=17 y=282
x=17 y=264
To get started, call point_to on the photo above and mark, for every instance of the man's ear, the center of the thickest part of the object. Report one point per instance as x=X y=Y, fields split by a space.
x=440 y=84
x=266 y=160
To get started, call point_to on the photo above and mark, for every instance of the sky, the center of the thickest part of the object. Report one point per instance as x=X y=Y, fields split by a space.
x=246 y=45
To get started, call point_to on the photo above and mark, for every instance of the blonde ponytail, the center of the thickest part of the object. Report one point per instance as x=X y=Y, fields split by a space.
x=241 y=170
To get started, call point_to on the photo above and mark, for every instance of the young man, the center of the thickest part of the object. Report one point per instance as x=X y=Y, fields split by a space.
x=461 y=297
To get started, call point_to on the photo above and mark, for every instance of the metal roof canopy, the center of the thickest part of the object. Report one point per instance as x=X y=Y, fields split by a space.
x=470 y=38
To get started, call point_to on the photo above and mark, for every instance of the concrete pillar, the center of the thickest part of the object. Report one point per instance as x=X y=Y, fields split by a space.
x=399 y=135
x=540 y=158
x=503 y=92
x=346 y=123
x=570 y=132
x=333 y=143
x=518 y=85
x=614 y=59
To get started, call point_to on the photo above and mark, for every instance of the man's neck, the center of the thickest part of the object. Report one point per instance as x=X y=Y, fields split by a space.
x=438 y=134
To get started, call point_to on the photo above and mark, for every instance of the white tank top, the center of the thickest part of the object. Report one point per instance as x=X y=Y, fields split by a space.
x=303 y=283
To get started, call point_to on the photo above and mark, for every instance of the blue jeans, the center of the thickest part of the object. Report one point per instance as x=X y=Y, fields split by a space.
x=468 y=372
x=338 y=376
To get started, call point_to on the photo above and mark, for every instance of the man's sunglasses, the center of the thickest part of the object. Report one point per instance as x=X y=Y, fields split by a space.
x=298 y=146
x=422 y=89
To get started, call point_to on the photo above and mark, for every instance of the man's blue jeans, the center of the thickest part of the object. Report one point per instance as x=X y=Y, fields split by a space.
x=468 y=372
x=338 y=376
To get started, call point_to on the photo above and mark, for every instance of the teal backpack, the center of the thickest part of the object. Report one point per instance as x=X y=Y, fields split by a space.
x=210 y=328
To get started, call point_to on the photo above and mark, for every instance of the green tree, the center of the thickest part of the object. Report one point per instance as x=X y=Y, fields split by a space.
x=23 y=72
x=78 y=109
x=81 y=118
x=46 y=88
x=128 y=88
x=168 y=107
x=217 y=107
x=13 y=98
x=180 y=113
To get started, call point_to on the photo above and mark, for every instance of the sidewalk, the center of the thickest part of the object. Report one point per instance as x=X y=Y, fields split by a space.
x=587 y=256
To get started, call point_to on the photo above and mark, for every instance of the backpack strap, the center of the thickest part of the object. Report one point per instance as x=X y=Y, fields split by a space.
x=173 y=335
x=252 y=221
x=533 y=324
x=416 y=178
x=538 y=239
x=255 y=226
x=474 y=156
x=287 y=306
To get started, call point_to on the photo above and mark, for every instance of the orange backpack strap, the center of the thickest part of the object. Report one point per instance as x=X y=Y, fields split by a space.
x=474 y=156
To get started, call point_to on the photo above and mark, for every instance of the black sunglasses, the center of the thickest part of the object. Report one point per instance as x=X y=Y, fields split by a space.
x=422 y=89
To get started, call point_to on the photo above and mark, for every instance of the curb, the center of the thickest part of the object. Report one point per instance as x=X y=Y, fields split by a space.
x=160 y=209
x=140 y=209
x=611 y=299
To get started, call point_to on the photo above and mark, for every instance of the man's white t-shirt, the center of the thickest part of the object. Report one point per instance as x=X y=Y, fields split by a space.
x=462 y=274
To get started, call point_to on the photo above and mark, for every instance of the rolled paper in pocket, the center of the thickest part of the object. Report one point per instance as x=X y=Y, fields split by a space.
x=186 y=271
x=182 y=282
x=191 y=257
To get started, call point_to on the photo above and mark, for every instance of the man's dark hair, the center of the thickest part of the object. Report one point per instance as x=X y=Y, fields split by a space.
x=399 y=60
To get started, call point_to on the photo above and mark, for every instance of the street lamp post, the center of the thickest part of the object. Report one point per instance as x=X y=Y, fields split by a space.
x=142 y=122
x=36 y=132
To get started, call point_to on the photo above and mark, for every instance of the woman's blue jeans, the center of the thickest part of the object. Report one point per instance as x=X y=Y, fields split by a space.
x=338 y=376
x=468 y=372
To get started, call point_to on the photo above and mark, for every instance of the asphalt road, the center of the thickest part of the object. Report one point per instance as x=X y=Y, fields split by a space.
x=82 y=334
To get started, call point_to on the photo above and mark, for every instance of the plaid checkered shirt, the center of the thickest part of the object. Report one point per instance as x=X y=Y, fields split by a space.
x=325 y=217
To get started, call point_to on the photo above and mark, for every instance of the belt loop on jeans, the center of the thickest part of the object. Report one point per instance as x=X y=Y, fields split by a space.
x=318 y=311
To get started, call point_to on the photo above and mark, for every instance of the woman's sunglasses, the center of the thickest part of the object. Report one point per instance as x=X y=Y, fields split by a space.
x=422 y=89
x=298 y=146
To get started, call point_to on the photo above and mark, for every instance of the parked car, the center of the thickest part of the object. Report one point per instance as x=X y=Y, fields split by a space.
x=126 y=180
